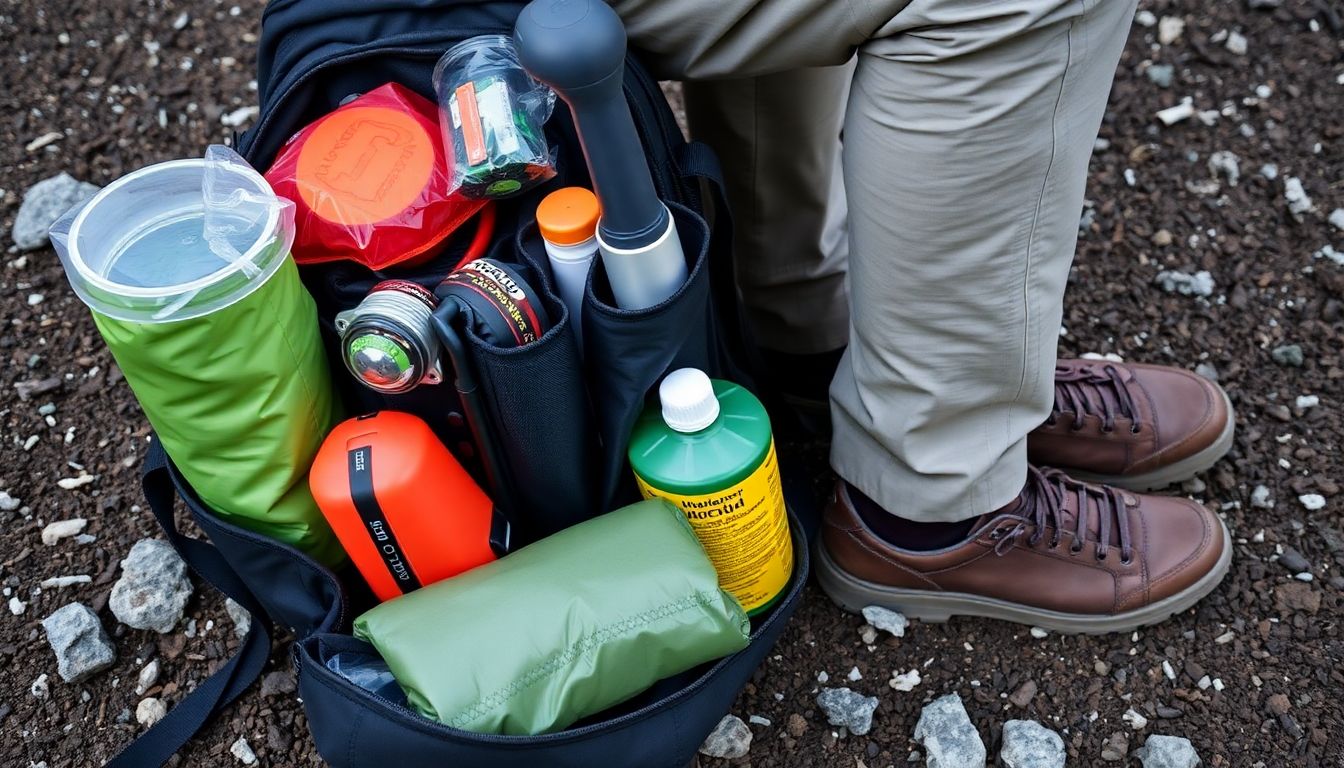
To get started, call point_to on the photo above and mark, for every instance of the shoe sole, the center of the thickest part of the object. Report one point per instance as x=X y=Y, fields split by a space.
x=1183 y=470
x=853 y=595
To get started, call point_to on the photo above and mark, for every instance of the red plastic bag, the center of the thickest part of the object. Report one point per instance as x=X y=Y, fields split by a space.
x=371 y=182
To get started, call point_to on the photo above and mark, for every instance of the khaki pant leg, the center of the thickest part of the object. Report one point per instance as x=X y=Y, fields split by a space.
x=778 y=137
x=967 y=141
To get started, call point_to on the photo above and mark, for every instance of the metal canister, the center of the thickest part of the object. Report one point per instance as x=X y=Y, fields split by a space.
x=387 y=342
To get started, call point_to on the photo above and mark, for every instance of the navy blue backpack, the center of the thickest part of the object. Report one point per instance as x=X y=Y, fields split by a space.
x=556 y=421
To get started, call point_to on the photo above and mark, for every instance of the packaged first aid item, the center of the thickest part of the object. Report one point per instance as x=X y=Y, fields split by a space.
x=561 y=629
x=371 y=182
x=492 y=113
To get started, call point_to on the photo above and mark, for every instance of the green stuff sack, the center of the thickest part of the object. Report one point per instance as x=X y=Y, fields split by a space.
x=561 y=629
x=186 y=268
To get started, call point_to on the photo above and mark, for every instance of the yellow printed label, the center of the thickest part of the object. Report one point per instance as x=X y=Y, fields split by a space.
x=745 y=530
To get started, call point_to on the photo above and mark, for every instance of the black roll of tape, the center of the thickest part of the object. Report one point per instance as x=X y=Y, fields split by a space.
x=503 y=308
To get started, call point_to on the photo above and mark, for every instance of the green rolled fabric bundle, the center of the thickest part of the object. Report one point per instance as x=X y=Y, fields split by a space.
x=561 y=629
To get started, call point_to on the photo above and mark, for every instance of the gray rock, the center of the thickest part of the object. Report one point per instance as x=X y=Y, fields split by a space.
x=1294 y=561
x=1116 y=748
x=1028 y=744
x=44 y=203
x=1288 y=354
x=848 y=708
x=730 y=738
x=949 y=738
x=1161 y=75
x=1207 y=370
x=1167 y=752
x=242 y=620
x=1198 y=284
x=82 y=647
x=886 y=620
x=1227 y=165
x=153 y=589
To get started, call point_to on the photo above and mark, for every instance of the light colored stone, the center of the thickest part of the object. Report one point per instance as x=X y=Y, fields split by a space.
x=153 y=589
x=62 y=529
x=1167 y=752
x=44 y=203
x=1299 y=203
x=1312 y=501
x=1136 y=720
x=1028 y=744
x=730 y=739
x=847 y=708
x=242 y=620
x=150 y=711
x=905 y=681
x=949 y=738
x=886 y=620
x=1170 y=29
x=82 y=647
x=149 y=675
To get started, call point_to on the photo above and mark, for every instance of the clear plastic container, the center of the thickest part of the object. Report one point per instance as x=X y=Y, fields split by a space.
x=175 y=240
x=492 y=113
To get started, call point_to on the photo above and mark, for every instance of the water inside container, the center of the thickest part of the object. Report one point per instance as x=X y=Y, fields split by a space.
x=172 y=250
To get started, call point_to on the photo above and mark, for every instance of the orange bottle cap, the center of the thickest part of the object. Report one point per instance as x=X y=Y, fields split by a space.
x=568 y=216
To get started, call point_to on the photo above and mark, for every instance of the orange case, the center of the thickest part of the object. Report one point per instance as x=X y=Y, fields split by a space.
x=403 y=508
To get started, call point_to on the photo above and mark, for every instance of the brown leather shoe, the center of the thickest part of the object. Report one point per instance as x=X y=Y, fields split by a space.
x=1140 y=427
x=1126 y=561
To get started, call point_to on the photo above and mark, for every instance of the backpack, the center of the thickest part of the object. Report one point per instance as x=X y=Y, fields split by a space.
x=556 y=421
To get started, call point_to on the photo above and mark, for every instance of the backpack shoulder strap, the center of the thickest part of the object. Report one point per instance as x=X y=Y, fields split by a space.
x=165 y=738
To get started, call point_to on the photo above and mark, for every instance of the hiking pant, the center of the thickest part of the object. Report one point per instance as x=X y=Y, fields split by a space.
x=953 y=207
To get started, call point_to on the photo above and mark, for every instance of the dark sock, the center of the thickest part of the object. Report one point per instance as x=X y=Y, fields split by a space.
x=908 y=534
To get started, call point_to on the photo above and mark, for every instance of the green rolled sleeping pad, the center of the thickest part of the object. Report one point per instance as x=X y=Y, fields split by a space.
x=561 y=629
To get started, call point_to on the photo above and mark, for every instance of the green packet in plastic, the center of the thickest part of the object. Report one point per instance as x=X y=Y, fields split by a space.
x=561 y=629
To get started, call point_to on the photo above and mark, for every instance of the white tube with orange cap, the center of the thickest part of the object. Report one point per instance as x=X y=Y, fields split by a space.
x=567 y=219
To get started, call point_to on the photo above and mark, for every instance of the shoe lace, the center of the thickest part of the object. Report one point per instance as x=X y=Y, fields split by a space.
x=1043 y=508
x=1078 y=391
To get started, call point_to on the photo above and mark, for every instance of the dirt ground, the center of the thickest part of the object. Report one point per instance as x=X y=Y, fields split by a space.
x=129 y=83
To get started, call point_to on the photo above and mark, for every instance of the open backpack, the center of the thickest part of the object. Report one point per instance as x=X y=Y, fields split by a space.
x=557 y=421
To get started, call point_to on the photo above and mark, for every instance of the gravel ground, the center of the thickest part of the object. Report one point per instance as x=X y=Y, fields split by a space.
x=124 y=84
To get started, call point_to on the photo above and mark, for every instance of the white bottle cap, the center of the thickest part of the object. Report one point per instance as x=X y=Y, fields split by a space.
x=688 y=400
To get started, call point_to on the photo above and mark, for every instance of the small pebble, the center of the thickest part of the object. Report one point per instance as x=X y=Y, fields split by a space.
x=1170 y=29
x=886 y=620
x=868 y=634
x=1236 y=43
x=1303 y=402
x=244 y=753
x=1288 y=354
x=1136 y=721
x=1038 y=633
x=855 y=675
x=39 y=688
x=17 y=606
x=1261 y=499
x=1168 y=670
x=150 y=711
x=905 y=681
x=1145 y=18
x=758 y=720
x=62 y=529
x=1312 y=501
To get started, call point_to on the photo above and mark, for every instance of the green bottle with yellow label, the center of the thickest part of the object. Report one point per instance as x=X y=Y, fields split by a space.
x=708 y=449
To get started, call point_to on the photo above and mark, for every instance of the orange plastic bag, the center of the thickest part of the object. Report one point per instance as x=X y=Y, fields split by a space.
x=371 y=182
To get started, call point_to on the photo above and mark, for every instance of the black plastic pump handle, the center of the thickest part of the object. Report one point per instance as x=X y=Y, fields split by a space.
x=577 y=47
